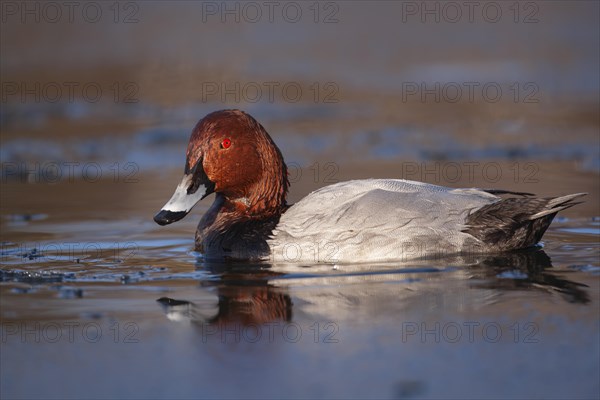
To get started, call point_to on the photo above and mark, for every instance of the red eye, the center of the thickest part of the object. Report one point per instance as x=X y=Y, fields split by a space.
x=226 y=143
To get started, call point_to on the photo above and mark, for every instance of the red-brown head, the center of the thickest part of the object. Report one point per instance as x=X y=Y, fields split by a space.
x=230 y=153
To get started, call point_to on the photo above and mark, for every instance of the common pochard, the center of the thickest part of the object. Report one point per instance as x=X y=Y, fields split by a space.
x=232 y=155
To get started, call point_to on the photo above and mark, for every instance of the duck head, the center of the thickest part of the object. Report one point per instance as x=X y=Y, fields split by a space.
x=232 y=155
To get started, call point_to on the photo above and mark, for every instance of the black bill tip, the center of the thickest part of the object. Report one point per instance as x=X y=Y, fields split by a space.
x=165 y=217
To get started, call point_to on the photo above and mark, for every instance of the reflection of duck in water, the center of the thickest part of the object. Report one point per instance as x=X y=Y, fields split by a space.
x=251 y=302
x=245 y=298
x=249 y=296
x=528 y=269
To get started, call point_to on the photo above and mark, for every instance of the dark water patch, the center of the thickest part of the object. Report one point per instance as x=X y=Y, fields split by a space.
x=25 y=218
x=34 y=277
x=23 y=289
x=92 y=315
x=512 y=275
x=30 y=115
x=589 y=268
x=582 y=231
x=65 y=292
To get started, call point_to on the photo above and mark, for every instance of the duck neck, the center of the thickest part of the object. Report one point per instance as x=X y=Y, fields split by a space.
x=263 y=198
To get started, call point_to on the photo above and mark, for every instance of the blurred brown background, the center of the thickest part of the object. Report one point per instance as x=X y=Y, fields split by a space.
x=369 y=86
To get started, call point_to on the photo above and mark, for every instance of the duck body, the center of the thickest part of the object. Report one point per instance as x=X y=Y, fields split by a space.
x=377 y=220
x=355 y=221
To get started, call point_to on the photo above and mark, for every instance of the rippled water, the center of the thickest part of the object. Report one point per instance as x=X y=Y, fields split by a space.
x=106 y=292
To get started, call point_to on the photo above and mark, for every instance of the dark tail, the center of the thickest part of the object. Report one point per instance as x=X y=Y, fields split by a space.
x=515 y=223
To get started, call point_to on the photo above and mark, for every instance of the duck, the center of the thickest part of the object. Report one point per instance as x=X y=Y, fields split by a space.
x=231 y=155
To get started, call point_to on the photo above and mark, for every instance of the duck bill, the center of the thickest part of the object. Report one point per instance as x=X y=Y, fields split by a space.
x=194 y=186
